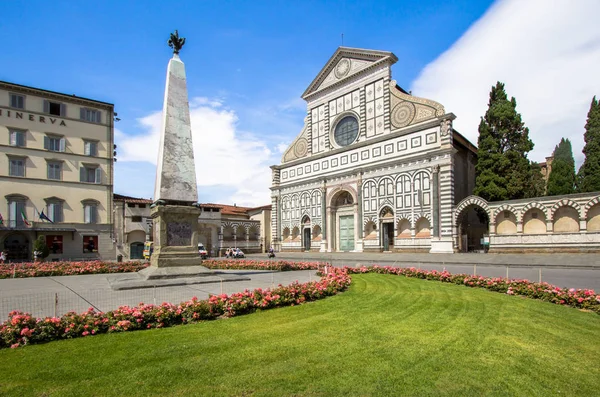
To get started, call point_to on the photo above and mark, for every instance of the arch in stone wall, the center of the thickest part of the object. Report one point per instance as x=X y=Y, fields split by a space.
x=337 y=191
x=507 y=207
x=506 y=225
x=423 y=227
x=471 y=201
x=589 y=205
x=592 y=215
x=532 y=224
x=403 y=228
x=565 y=203
x=535 y=204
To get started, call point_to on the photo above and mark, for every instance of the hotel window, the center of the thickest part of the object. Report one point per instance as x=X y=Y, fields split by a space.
x=55 y=210
x=54 y=170
x=55 y=244
x=17 y=101
x=91 y=115
x=90 y=174
x=16 y=166
x=90 y=212
x=16 y=138
x=55 y=108
x=90 y=244
x=90 y=148
x=54 y=143
x=16 y=207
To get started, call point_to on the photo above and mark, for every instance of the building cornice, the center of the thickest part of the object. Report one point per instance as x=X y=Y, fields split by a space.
x=52 y=181
x=18 y=88
x=80 y=157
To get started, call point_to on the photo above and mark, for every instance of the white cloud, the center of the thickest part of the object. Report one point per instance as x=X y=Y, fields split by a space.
x=281 y=147
x=546 y=52
x=224 y=157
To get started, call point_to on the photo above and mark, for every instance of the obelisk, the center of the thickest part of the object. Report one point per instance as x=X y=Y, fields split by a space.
x=175 y=210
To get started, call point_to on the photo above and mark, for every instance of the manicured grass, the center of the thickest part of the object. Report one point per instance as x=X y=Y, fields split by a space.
x=387 y=335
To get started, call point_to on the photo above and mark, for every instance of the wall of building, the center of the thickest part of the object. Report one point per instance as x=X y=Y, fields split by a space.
x=568 y=223
x=37 y=189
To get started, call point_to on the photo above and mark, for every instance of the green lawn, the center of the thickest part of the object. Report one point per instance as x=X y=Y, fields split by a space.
x=387 y=335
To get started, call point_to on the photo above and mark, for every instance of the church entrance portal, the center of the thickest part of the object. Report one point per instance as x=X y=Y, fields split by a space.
x=306 y=239
x=388 y=236
x=347 y=233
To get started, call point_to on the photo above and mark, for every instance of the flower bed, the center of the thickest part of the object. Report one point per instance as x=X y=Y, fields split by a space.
x=22 y=329
x=44 y=269
x=578 y=298
x=241 y=264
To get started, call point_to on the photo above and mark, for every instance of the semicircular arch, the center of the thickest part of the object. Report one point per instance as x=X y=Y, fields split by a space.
x=538 y=205
x=336 y=192
x=565 y=203
x=589 y=205
x=507 y=207
x=468 y=202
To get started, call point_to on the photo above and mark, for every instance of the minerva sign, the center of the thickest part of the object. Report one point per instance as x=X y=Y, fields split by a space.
x=32 y=117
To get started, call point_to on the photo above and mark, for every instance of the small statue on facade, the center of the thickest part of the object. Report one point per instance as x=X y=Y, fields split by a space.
x=176 y=42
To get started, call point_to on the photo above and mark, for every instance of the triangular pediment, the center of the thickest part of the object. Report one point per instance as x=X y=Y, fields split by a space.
x=347 y=62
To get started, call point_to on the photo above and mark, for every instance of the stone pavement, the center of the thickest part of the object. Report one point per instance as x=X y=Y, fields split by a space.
x=49 y=296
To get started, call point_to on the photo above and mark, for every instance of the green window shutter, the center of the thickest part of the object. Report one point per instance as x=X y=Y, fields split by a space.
x=82 y=174
x=63 y=110
x=46 y=106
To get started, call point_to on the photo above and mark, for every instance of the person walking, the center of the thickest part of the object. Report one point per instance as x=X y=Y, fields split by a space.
x=2 y=257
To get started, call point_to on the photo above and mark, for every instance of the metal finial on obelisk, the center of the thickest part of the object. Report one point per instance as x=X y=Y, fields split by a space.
x=176 y=42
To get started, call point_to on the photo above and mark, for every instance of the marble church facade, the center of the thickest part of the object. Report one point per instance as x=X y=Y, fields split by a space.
x=374 y=167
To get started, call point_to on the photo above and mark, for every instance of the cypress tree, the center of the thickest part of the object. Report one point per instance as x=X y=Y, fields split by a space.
x=503 y=171
x=537 y=184
x=562 y=174
x=588 y=179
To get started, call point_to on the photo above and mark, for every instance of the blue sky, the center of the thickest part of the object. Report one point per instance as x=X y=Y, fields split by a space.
x=248 y=62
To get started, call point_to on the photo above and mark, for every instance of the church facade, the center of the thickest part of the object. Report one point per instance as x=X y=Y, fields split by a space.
x=374 y=167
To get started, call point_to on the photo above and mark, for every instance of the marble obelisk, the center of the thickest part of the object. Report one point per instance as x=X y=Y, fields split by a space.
x=175 y=211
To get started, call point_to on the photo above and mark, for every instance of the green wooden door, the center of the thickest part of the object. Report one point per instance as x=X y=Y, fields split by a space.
x=136 y=251
x=347 y=233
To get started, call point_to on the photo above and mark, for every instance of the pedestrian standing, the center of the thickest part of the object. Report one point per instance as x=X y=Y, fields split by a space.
x=2 y=257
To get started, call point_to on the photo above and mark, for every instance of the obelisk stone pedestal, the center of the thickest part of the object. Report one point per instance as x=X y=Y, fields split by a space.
x=175 y=236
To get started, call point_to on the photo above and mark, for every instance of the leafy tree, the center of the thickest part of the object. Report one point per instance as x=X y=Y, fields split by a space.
x=588 y=179
x=562 y=174
x=503 y=170
x=537 y=184
x=40 y=249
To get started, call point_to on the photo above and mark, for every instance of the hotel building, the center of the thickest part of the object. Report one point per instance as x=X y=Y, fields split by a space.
x=56 y=174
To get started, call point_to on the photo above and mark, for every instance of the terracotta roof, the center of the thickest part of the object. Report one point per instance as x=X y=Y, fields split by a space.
x=232 y=209
x=262 y=207
x=128 y=199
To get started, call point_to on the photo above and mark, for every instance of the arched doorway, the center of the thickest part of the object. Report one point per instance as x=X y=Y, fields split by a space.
x=17 y=245
x=386 y=217
x=136 y=250
x=472 y=223
x=306 y=233
x=342 y=218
